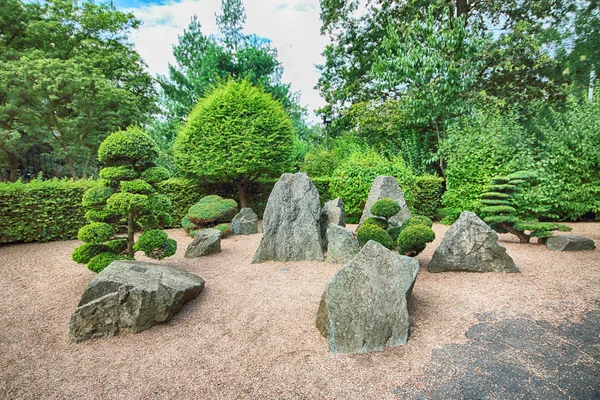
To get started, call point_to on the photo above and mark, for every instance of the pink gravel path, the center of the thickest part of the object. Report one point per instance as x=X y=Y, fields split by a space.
x=251 y=332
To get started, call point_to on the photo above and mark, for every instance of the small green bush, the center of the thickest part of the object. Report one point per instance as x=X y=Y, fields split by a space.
x=155 y=175
x=132 y=146
x=380 y=222
x=96 y=233
x=385 y=208
x=136 y=186
x=118 y=246
x=418 y=220
x=211 y=198
x=413 y=239
x=394 y=232
x=155 y=244
x=84 y=253
x=225 y=230
x=102 y=260
x=428 y=195
x=368 y=232
x=208 y=213
x=113 y=175
x=97 y=195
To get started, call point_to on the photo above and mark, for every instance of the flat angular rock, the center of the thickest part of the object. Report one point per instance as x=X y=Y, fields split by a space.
x=245 y=222
x=291 y=228
x=343 y=245
x=386 y=186
x=569 y=243
x=471 y=245
x=332 y=213
x=206 y=241
x=365 y=305
x=131 y=295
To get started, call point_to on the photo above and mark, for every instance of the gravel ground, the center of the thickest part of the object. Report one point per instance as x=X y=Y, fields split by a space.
x=251 y=333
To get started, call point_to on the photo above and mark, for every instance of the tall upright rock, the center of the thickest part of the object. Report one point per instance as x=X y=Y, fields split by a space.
x=471 y=245
x=386 y=186
x=333 y=213
x=291 y=222
x=365 y=305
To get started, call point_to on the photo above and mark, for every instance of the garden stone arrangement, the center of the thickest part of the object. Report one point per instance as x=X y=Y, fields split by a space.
x=131 y=295
x=245 y=222
x=333 y=213
x=206 y=241
x=386 y=187
x=471 y=245
x=291 y=222
x=343 y=244
x=569 y=243
x=365 y=305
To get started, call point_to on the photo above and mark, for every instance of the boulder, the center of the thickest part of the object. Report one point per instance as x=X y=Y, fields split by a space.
x=365 y=305
x=245 y=222
x=343 y=245
x=569 y=243
x=386 y=186
x=206 y=241
x=471 y=245
x=133 y=296
x=332 y=213
x=291 y=229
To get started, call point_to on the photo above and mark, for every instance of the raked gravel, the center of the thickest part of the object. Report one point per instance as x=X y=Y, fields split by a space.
x=251 y=332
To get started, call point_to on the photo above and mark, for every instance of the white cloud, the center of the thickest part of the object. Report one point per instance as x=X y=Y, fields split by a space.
x=293 y=26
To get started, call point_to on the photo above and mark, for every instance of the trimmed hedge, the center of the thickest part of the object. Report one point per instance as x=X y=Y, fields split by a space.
x=41 y=211
x=428 y=195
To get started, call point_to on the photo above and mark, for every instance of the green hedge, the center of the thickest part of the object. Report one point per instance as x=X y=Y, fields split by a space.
x=41 y=211
x=428 y=195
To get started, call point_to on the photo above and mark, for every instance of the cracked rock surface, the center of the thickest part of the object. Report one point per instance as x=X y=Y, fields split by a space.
x=365 y=305
x=291 y=222
x=333 y=213
x=131 y=295
x=471 y=245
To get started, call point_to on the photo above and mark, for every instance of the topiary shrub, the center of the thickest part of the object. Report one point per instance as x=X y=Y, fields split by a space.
x=428 y=196
x=385 y=208
x=413 y=239
x=124 y=203
x=501 y=214
x=209 y=211
x=368 y=232
x=225 y=230
x=380 y=222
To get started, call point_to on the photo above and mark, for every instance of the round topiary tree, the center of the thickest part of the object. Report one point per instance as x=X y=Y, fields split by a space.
x=125 y=202
x=210 y=211
x=502 y=215
x=370 y=231
x=413 y=235
x=237 y=133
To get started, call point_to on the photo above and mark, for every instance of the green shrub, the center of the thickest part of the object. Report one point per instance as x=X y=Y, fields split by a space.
x=418 y=220
x=132 y=146
x=114 y=175
x=225 y=230
x=208 y=213
x=352 y=180
x=102 y=260
x=385 y=208
x=155 y=244
x=394 y=232
x=322 y=185
x=368 y=232
x=136 y=186
x=155 y=175
x=380 y=222
x=118 y=246
x=428 y=195
x=183 y=194
x=84 y=253
x=97 y=195
x=413 y=239
x=96 y=233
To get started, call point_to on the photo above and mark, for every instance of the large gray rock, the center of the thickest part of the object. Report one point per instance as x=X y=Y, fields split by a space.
x=382 y=187
x=569 y=243
x=343 y=245
x=471 y=245
x=365 y=305
x=245 y=222
x=131 y=295
x=206 y=241
x=291 y=230
x=332 y=213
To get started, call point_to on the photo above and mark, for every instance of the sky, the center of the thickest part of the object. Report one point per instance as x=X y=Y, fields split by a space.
x=292 y=26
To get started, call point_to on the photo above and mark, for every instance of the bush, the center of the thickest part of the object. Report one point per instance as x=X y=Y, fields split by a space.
x=413 y=239
x=102 y=260
x=155 y=175
x=155 y=244
x=183 y=194
x=394 y=232
x=114 y=175
x=352 y=180
x=40 y=211
x=225 y=230
x=385 y=208
x=368 y=232
x=380 y=222
x=207 y=213
x=136 y=186
x=96 y=233
x=84 y=253
x=428 y=195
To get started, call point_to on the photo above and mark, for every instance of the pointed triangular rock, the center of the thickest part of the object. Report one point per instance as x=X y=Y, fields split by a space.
x=471 y=245
x=386 y=186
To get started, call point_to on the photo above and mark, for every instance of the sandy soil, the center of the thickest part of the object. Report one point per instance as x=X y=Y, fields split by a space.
x=251 y=332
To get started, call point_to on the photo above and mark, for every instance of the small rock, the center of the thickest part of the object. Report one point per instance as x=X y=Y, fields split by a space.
x=471 y=245
x=386 y=186
x=569 y=243
x=343 y=245
x=332 y=213
x=245 y=222
x=365 y=305
x=291 y=230
x=206 y=241
x=131 y=295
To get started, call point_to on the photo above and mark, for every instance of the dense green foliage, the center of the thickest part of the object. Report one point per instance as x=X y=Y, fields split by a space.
x=368 y=232
x=128 y=204
x=500 y=210
x=225 y=230
x=210 y=211
x=237 y=134
x=380 y=222
x=68 y=77
x=427 y=195
x=40 y=211
x=385 y=208
x=413 y=239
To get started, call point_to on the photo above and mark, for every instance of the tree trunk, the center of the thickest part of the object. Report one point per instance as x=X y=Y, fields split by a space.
x=13 y=169
x=130 y=234
x=242 y=188
x=523 y=237
x=87 y=163
x=462 y=7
